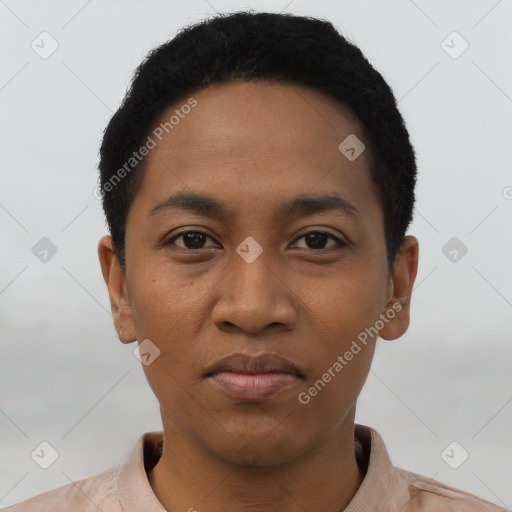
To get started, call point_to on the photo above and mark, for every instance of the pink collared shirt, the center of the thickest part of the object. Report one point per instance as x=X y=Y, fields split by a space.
x=385 y=488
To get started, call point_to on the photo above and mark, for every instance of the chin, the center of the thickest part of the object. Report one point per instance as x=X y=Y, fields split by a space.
x=258 y=446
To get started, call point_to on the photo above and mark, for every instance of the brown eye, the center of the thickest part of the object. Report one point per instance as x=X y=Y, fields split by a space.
x=192 y=240
x=316 y=240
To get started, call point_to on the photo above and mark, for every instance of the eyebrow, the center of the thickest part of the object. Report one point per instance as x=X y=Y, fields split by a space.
x=208 y=206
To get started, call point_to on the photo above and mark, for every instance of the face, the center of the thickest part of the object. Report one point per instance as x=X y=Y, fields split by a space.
x=253 y=235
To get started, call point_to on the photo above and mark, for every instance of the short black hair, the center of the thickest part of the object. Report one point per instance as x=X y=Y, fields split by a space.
x=258 y=46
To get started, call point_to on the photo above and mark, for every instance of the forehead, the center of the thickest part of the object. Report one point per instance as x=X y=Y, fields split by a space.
x=255 y=142
x=237 y=119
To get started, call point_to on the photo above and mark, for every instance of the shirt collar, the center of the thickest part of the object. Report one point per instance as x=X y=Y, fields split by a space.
x=380 y=473
x=132 y=485
x=136 y=495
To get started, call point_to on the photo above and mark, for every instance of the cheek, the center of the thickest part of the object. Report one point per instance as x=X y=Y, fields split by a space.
x=166 y=309
x=164 y=303
x=333 y=394
x=343 y=314
x=345 y=306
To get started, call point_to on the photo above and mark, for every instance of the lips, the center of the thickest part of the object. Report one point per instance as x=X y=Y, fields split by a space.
x=243 y=363
x=249 y=378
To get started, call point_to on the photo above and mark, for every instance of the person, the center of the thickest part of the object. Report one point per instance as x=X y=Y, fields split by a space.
x=258 y=182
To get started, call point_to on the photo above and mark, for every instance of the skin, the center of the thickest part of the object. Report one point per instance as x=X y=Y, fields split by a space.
x=254 y=146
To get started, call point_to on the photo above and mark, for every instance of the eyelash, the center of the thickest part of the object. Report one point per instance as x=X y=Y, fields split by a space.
x=340 y=243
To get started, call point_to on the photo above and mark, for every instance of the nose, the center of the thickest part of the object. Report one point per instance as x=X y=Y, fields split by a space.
x=254 y=296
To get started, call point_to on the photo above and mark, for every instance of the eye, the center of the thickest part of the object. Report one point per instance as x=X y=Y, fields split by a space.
x=317 y=240
x=192 y=240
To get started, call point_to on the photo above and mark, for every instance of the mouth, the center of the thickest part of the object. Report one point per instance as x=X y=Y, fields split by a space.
x=248 y=378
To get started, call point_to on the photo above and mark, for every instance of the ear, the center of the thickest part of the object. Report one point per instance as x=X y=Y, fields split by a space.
x=118 y=291
x=400 y=289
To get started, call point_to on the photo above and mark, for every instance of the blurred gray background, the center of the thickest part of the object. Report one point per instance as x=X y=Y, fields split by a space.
x=64 y=376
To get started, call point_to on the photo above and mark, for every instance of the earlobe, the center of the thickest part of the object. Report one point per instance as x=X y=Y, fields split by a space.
x=118 y=291
x=402 y=281
x=398 y=318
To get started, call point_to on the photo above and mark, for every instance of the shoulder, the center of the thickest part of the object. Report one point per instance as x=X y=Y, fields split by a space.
x=87 y=495
x=428 y=494
x=390 y=488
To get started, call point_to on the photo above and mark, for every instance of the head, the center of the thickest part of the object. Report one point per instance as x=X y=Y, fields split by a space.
x=258 y=182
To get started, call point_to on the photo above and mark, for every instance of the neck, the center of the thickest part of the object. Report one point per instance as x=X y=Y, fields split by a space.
x=188 y=477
